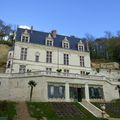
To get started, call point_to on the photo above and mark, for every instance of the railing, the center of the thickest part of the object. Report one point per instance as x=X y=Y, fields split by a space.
x=54 y=74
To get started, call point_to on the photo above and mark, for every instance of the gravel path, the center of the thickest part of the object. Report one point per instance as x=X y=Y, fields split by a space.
x=22 y=112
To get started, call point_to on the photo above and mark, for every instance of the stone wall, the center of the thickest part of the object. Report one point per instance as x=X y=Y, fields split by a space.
x=17 y=88
x=111 y=74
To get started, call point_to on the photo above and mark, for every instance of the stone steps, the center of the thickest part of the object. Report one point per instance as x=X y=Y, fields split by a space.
x=93 y=109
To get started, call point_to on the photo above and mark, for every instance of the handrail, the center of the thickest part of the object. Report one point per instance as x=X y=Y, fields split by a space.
x=55 y=74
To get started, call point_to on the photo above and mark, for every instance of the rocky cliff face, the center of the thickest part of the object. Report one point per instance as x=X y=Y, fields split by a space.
x=3 y=56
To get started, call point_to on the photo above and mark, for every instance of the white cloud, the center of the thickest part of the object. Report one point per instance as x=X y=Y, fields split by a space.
x=25 y=27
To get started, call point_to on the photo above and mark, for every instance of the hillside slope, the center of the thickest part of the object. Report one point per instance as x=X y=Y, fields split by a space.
x=3 y=56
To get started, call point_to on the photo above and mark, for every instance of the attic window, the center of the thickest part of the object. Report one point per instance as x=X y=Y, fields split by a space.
x=80 y=48
x=49 y=40
x=25 y=38
x=65 y=43
x=49 y=43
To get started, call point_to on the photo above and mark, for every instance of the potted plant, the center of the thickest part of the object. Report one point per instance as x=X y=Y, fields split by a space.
x=98 y=70
x=87 y=73
x=59 y=70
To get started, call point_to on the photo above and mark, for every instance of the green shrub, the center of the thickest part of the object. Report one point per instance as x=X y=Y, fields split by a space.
x=119 y=79
x=98 y=70
x=9 y=43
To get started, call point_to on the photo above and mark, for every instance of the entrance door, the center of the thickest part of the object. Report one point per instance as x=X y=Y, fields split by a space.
x=79 y=94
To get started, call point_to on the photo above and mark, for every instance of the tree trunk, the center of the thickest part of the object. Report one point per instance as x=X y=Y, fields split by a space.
x=31 y=91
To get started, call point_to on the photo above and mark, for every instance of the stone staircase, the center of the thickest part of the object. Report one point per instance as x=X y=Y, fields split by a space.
x=93 y=109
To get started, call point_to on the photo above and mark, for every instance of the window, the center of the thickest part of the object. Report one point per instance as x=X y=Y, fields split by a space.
x=49 y=43
x=23 y=55
x=82 y=61
x=66 y=45
x=96 y=92
x=48 y=70
x=22 y=68
x=74 y=92
x=10 y=55
x=51 y=90
x=49 y=40
x=37 y=58
x=66 y=71
x=25 y=38
x=49 y=57
x=80 y=48
x=82 y=72
x=66 y=59
x=8 y=66
x=56 y=91
x=37 y=54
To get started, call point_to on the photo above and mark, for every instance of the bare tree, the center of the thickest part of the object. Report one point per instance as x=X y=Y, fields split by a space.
x=4 y=29
x=118 y=33
x=108 y=34
x=89 y=37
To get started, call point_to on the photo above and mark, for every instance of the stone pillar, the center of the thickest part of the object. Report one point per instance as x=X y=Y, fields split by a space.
x=86 y=92
x=67 y=93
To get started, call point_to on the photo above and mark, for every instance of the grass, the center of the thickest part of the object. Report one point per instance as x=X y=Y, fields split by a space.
x=112 y=108
x=7 y=109
x=39 y=110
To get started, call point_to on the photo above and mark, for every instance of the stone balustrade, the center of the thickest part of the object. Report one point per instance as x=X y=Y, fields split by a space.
x=54 y=74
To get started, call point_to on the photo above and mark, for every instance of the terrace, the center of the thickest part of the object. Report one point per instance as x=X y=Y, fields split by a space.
x=54 y=74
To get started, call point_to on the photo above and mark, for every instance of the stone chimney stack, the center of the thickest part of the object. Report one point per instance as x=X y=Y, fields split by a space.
x=53 y=33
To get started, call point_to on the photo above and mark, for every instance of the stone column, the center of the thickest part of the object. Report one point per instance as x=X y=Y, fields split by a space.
x=86 y=92
x=67 y=93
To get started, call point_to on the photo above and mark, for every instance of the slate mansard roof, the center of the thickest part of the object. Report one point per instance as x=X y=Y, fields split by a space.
x=38 y=37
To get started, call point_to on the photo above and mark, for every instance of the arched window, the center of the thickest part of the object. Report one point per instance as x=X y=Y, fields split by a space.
x=9 y=64
x=37 y=56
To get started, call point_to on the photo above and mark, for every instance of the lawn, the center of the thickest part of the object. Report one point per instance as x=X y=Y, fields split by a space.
x=42 y=109
x=7 y=109
x=112 y=108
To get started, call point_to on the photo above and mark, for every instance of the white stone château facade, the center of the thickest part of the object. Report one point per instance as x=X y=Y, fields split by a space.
x=61 y=67
x=27 y=56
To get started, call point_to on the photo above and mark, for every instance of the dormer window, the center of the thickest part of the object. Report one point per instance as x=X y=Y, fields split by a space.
x=80 y=46
x=49 y=40
x=49 y=43
x=65 y=43
x=25 y=37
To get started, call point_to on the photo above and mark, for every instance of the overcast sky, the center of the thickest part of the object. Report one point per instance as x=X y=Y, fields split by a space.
x=69 y=17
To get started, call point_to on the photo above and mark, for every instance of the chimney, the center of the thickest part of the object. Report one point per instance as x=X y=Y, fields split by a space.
x=53 y=33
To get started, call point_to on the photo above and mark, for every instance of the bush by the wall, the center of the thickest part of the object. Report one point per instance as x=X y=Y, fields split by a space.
x=9 y=43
